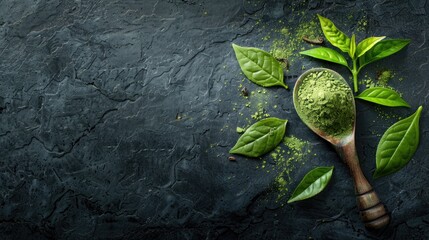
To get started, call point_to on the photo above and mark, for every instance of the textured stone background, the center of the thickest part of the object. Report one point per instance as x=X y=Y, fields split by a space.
x=114 y=122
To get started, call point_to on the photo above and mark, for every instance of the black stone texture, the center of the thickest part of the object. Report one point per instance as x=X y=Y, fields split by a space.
x=113 y=118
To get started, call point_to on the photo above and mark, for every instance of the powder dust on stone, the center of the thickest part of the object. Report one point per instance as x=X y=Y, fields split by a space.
x=383 y=78
x=287 y=41
x=287 y=158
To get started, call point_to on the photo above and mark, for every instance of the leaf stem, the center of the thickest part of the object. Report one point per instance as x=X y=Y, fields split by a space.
x=355 y=73
x=285 y=86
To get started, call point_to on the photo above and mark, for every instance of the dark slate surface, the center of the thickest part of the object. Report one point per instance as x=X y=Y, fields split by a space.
x=116 y=121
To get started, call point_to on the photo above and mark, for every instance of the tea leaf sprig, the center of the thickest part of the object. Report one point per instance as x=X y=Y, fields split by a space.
x=367 y=51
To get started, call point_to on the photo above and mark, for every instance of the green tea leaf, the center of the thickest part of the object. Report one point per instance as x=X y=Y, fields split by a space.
x=367 y=44
x=259 y=66
x=313 y=183
x=326 y=54
x=334 y=35
x=383 y=96
x=260 y=138
x=382 y=49
x=397 y=145
x=352 y=50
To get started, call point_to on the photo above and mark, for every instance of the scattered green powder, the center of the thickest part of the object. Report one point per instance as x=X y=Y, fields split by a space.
x=225 y=127
x=368 y=82
x=286 y=160
x=260 y=112
x=362 y=25
x=287 y=41
x=240 y=130
x=382 y=114
x=255 y=105
x=383 y=77
x=326 y=103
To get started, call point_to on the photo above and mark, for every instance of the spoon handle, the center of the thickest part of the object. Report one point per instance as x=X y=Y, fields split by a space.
x=373 y=212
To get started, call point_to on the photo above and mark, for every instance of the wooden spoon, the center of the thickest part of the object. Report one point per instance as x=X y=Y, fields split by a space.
x=372 y=211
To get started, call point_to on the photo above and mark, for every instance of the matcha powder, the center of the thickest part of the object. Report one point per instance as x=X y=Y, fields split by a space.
x=326 y=103
x=297 y=152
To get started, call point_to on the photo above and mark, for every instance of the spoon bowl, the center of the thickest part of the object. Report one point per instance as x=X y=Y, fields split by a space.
x=335 y=140
x=373 y=213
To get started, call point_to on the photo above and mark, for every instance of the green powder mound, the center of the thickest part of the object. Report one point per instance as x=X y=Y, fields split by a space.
x=326 y=103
